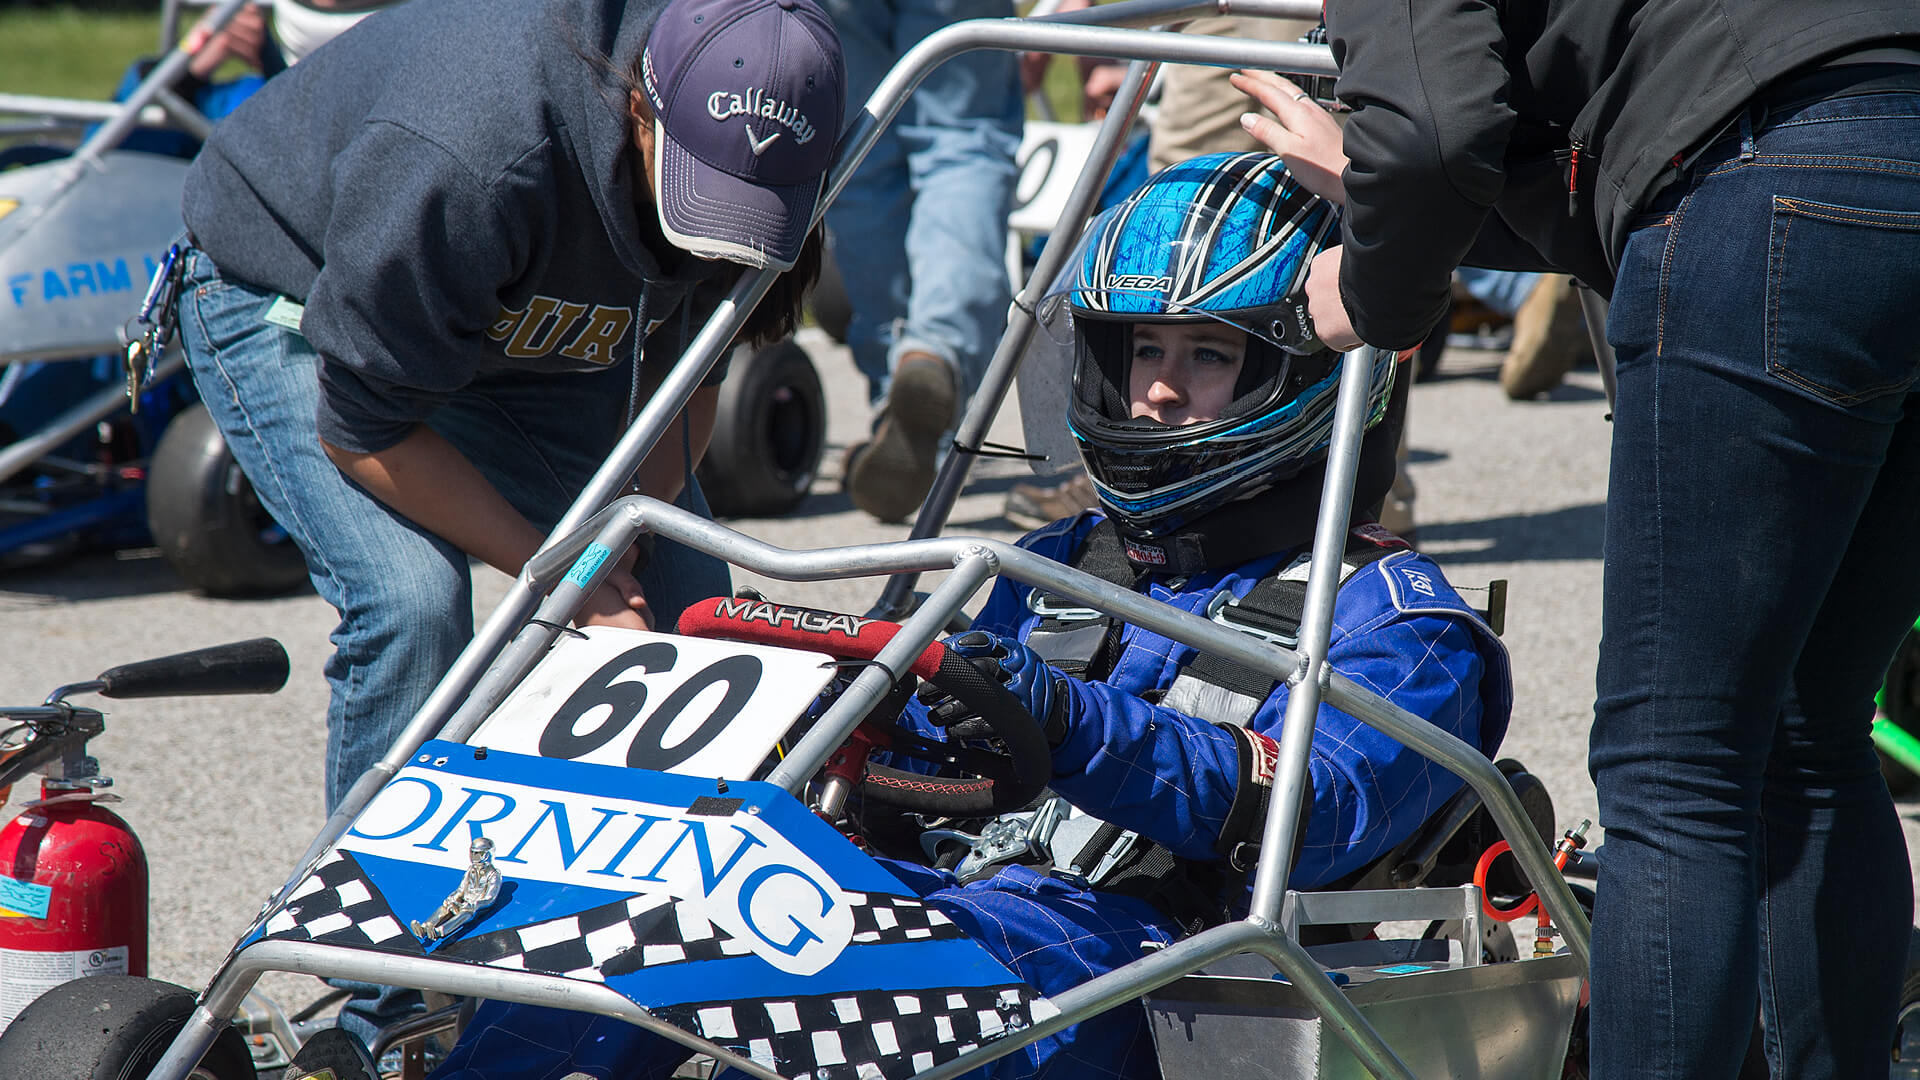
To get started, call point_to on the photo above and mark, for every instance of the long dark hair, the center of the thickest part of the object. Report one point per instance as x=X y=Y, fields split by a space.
x=779 y=312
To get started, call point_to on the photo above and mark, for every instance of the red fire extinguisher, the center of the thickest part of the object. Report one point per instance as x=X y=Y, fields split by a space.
x=73 y=894
x=73 y=878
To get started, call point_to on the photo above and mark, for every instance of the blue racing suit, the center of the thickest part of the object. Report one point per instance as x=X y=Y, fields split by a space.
x=1399 y=630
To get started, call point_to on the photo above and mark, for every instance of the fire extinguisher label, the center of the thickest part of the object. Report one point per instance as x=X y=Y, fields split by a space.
x=25 y=975
x=23 y=898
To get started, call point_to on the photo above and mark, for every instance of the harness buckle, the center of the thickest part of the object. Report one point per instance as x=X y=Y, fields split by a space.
x=1048 y=606
x=1219 y=609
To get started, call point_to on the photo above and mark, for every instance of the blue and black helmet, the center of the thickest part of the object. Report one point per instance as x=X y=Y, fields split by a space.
x=1226 y=238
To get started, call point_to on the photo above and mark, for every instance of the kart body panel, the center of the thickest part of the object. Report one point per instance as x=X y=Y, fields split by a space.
x=77 y=250
x=725 y=908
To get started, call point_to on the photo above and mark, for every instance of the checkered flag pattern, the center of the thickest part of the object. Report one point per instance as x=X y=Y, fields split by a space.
x=612 y=939
x=867 y=1035
x=653 y=931
x=338 y=905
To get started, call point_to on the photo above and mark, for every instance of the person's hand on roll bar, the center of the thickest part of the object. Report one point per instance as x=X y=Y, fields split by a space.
x=1305 y=135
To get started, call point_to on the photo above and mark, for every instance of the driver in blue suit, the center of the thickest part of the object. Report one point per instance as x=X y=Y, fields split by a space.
x=1203 y=408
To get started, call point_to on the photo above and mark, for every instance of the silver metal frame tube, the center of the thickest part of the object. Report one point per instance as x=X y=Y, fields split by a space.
x=77 y=112
x=223 y=998
x=1021 y=565
x=897 y=596
x=1306 y=685
x=685 y=377
x=162 y=77
x=1145 y=13
x=972 y=567
x=1594 y=307
x=98 y=406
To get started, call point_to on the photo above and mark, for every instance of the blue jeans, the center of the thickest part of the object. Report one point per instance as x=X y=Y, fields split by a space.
x=1765 y=487
x=404 y=595
x=920 y=232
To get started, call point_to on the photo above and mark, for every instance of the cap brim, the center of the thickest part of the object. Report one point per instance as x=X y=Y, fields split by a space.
x=716 y=215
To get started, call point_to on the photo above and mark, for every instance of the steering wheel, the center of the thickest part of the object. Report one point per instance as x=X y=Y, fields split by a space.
x=1001 y=782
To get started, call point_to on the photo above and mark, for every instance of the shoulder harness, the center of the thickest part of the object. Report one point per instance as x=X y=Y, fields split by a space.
x=1085 y=644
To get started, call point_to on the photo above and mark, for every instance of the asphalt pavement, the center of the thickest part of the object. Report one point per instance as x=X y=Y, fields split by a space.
x=225 y=792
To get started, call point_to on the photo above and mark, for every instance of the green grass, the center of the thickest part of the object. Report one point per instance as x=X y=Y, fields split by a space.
x=60 y=52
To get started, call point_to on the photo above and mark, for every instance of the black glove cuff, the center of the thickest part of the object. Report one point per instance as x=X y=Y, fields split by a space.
x=1054 y=724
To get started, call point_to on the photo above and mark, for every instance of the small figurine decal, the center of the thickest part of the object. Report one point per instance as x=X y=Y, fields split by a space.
x=479 y=888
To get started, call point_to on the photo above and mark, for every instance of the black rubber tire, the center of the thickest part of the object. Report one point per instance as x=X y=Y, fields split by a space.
x=769 y=431
x=111 y=1027
x=828 y=301
x=206 y=520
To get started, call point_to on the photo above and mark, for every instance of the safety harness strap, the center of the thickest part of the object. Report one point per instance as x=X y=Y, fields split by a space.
x=1086 y=644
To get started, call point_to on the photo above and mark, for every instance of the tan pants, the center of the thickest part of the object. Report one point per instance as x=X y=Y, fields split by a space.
x=1199 y=109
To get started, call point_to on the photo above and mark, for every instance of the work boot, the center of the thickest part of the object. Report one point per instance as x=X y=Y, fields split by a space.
x=1548 y=339
x=332 y=1054
x=1031 y=506
x=889 y=476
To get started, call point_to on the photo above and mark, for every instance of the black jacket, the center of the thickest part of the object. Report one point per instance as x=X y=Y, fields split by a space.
x=449 y=187
x=1527 y=134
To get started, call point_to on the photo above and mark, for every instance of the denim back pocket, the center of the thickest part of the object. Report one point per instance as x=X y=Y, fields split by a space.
x=1842 y=286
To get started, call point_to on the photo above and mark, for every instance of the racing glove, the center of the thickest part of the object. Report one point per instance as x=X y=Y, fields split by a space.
x=1037 y=684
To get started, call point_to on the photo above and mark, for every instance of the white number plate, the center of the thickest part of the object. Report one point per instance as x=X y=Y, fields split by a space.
x=654 y=701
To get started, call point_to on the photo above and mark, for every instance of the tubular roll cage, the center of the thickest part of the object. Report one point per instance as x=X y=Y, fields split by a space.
x=544 y=597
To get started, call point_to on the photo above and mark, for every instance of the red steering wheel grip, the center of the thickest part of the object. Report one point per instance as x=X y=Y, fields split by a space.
x=763 y=622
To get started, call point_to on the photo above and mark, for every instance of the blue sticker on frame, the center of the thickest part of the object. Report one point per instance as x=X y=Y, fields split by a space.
x=587 y=563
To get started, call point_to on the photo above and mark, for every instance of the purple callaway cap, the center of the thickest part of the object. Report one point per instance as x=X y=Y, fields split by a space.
x=747 y=98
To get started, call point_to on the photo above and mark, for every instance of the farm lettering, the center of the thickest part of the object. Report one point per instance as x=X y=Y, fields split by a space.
x=76 y=279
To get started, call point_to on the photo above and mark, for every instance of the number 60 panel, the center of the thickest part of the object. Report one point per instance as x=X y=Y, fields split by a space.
x=694 y=706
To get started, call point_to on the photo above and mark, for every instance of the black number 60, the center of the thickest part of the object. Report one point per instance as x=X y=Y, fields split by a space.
x=625 y=700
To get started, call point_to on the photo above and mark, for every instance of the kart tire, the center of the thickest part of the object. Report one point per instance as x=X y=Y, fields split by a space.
x=769 y=431
x=206 y=519
x=831 y=309
x=111 y=1027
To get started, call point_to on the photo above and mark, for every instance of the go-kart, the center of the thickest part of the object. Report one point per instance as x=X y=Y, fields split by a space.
x=667 y=812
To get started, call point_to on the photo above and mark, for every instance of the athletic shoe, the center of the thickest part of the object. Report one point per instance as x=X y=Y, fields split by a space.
x=1548 y=339
x=1034 y=505
x=889 y=477
x=332 y=1054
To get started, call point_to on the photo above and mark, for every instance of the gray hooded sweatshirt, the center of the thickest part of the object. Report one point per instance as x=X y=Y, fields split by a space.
x=450 y=188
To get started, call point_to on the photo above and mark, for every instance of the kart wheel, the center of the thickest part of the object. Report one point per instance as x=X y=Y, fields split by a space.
x=831 y=310
x=206 y=519
x=769 y=431
x=111 y=1027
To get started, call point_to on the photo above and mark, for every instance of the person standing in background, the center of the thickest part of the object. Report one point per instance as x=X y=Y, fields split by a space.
x=920 y=237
